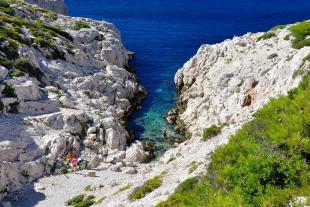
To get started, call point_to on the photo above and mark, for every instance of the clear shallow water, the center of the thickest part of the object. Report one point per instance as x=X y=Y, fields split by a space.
x=166 y=33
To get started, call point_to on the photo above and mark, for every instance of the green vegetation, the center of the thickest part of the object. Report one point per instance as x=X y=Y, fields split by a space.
x=80 y=25
x=5 y=3
x=88 y=188
x=266 y=163
x=193 y=166
x=300 y=31
x=278 y=27
x=266 y=36
x=16 y=73
x=63 y=170
x=8 y=91
x=307 y=58
x=287 y=37
x=211 y=132
x=146 y=188
x=23 y=64
x=81 y=201
x=123 y=189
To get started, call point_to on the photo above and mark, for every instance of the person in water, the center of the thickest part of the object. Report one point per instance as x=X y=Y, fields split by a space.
x=165 y=132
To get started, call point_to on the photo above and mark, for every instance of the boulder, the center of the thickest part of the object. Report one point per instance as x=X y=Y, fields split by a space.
x=136 y=152
x=25 y=89
x=114 y=139
x=3 y=73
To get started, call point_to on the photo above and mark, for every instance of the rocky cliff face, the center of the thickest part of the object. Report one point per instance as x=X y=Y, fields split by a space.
x=223 y=84
x=57 y=6
x=63 y=88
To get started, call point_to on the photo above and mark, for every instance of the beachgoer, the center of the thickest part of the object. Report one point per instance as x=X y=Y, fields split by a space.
x=74 y=163
x=165 y=132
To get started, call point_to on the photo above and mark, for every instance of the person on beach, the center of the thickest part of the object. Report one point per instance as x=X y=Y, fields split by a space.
x=74 y=163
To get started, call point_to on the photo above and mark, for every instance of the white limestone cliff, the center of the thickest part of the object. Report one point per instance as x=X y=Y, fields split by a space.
x=73 y=95
x=225 y=83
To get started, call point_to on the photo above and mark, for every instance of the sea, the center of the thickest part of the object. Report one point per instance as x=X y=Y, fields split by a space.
x=164 y=34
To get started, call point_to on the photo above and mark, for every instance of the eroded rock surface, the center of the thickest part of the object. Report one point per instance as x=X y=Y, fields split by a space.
x=223 y=84
x=63 y=89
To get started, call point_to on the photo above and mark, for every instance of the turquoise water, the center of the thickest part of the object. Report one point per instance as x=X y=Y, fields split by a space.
x=166 y=33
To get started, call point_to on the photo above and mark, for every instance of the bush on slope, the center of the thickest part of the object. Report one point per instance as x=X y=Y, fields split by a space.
x=265 y=164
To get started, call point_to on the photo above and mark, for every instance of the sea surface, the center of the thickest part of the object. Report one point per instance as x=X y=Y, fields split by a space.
x=164 y=34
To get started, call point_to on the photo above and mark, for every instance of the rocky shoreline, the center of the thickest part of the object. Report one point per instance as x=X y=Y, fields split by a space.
x=68 y=91
x=73 y=93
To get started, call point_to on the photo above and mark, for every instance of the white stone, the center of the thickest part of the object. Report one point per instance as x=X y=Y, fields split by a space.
x=136 y=152
x=3 y=73
x=25 y=89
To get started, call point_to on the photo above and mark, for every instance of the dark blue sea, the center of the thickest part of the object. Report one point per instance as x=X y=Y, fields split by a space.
x=164 y=34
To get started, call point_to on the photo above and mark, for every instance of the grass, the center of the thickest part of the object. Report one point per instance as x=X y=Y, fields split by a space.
x=211 y=132
x=146 y=188
x=80 y=25
x=300 y=31
x=266 y=36
x=123 y=189
x=81 y=201
x=266 y=163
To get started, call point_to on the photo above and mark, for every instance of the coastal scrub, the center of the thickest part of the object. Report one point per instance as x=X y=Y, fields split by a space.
x=266 y=163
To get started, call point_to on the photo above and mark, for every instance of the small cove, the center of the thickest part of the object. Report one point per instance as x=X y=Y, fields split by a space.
x=164 y=34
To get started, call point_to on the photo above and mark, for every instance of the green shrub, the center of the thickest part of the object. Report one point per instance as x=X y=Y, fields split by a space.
x=300 y=31
x=16 y=73
x=7 y=10
x=187 y=185
x=63 y=170
x=57 y=54
x=5 y=3
x=88 y=188
x=211 y=132
x=81 y=201
x=278 y=27
x=85 y=203
x=266 y=36
x=146 y=188
x=75 y=200
x=23 y=64
x=287 y=37
x=266 y=163
x=80 y=25
x=9 y=91
x=123 y=189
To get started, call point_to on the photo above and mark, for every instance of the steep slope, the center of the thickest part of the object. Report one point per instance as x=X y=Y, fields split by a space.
x=224 y=85
x=63 y=88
